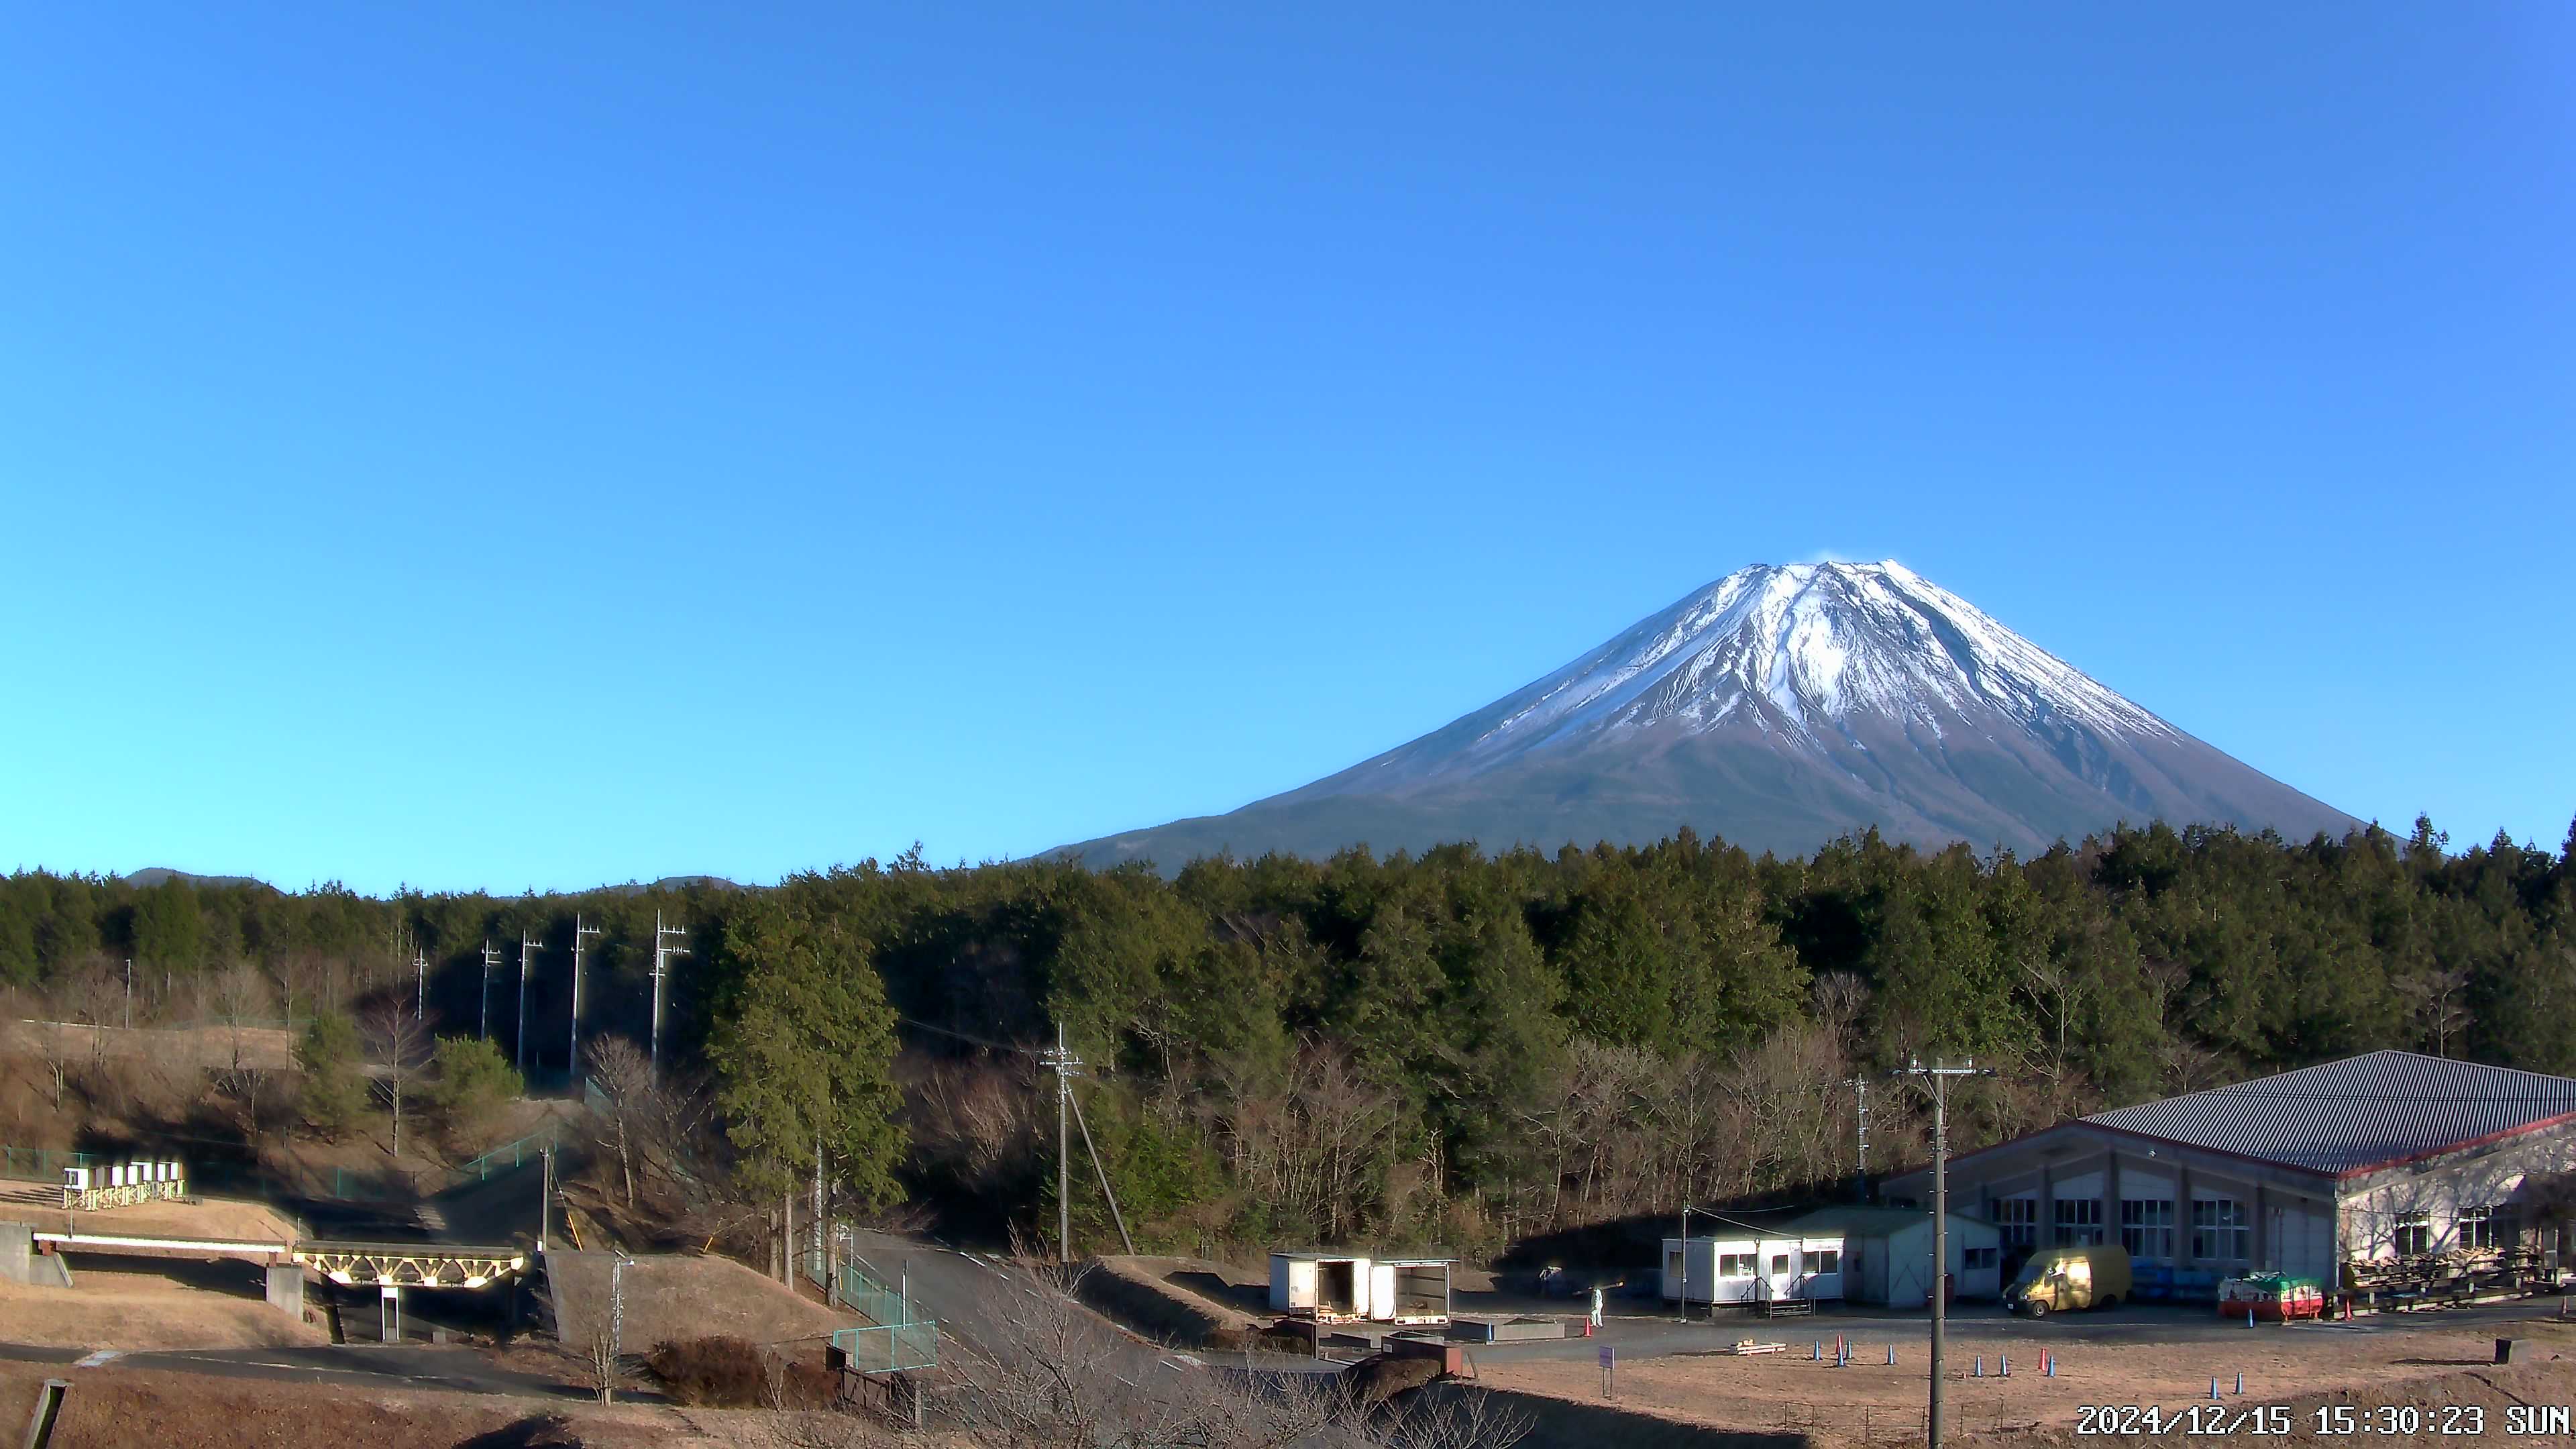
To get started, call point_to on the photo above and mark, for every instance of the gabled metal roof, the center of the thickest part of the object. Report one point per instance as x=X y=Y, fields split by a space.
x=2362 y=1112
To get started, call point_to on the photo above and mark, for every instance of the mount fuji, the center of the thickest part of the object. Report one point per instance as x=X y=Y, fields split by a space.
x=1777 y=708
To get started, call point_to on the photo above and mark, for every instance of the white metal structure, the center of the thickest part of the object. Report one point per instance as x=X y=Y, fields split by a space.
x=1352 y=1288
x=122 y=1184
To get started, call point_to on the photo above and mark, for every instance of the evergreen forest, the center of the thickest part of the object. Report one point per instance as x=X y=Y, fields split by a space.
x=1449 y=1048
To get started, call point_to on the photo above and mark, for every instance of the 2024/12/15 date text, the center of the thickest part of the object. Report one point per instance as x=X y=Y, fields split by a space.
x=2330 y=1420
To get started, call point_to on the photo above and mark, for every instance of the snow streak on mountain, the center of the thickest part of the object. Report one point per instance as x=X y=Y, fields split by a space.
x=1777 y=708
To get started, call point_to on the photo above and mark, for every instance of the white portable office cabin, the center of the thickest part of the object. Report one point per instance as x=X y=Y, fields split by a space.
x=1753 y=1268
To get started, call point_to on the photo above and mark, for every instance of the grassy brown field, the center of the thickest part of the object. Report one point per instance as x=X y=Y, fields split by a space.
x=135 y=1306
x=120 y=1406
x=675 y=1296
x=232 y=1219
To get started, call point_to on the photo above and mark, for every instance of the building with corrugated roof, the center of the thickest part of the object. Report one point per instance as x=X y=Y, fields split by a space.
x=1887 y=1253
x=2385 y=1155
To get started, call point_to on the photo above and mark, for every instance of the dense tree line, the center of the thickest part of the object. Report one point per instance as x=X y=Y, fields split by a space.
x=1451 y=1046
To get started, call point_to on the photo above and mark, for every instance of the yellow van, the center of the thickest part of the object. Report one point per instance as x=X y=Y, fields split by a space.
x=2060 y=1280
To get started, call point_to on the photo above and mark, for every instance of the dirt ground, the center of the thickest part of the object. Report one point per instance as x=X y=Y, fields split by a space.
x=267 y=1047
x=232 y=1219
x=1869 y=1401
x=676 y=1296
x=115 y=1406
x=129 y=1305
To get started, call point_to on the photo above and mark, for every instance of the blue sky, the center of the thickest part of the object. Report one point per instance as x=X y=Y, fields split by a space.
x=503 y=445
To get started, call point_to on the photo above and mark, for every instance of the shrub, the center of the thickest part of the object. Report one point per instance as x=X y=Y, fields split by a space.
x=735 y=1373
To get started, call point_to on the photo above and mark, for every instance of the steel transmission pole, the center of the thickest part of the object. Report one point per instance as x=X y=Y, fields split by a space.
x=572 y=1063
x=661 y=967
x=527 y=948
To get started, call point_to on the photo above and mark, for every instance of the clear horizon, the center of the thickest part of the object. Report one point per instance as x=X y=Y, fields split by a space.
x=496 y=448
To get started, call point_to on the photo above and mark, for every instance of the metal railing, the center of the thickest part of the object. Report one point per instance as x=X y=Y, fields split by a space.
x=506 y=1157
x=898 y=1336
x=889 y=1348
x=391 y=1184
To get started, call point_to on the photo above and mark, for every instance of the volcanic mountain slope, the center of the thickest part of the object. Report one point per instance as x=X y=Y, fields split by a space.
x=1777 y=708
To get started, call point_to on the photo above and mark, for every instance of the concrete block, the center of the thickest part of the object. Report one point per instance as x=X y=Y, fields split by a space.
x=17 y=1247
x=286 y=1288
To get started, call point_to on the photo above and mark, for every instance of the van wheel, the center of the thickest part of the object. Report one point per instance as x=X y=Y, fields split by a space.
x=2109 y=1300
x=2036 y=1308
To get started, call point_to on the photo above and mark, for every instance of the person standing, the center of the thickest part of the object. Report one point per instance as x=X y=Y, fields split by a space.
x=1596 y=1308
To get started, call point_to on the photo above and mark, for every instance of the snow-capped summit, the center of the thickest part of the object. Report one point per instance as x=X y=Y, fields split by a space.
x=1777 y=707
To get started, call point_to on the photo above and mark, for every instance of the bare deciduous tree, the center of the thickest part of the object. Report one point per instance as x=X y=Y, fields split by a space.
x=400 y=1040
x=623 y=1076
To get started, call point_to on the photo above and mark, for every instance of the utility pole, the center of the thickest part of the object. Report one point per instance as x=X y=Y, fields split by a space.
x=1066 y=1066
x=661 y=958
x=491 y=958
x=1938 y=1077
x=420 y=986
x=129 y=993
x=616 y=1325
x=572 y=1064
x=1860 y=1155
x=527 y=948
x=1681 y=1293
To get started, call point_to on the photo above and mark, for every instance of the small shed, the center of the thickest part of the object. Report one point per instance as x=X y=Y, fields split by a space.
x=1733 y=1265
x=1887 y=1253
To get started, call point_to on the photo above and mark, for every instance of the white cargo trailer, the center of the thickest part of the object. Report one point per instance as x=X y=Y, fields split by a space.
x=1352 y=1288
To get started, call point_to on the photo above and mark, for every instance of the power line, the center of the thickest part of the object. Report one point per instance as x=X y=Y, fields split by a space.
x=914 y=1021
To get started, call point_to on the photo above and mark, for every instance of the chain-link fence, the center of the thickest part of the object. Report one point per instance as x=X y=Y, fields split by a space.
x=42 y=1164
